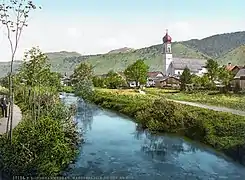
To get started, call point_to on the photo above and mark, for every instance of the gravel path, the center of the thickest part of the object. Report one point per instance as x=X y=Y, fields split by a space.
x=215 y=108
x=16 y=119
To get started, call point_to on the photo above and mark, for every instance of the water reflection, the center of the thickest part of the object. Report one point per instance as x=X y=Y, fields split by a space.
x=115 y=146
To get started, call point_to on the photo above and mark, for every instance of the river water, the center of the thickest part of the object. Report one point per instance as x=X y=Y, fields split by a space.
x=114 y=147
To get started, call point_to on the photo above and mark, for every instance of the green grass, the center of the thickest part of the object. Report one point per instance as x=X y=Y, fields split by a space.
x=233 y=101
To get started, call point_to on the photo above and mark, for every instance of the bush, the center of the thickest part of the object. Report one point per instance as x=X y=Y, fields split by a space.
x=223 y=131
x=44 y=145
x=42 y=148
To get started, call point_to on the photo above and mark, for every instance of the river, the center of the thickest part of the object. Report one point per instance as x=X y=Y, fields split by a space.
x=114 y=147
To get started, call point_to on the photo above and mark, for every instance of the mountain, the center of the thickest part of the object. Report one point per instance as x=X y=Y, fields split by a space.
x=102 y=63
x=228 y=47
x=235 y=56
x=217 y=45
x=121 y=50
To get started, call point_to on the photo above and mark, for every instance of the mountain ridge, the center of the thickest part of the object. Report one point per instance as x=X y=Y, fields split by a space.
x=226 y=47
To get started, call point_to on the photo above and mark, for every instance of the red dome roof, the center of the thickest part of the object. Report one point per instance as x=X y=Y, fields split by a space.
x=167 y=38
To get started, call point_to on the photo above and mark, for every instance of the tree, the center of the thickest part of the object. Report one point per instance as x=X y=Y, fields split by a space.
x=137 y=72
x=99 y=81
x=14 y=15
x=185 y=78
x=114 y=80
x=35 y=75
x=82 y=80
x=225 y=77
x=213 y=70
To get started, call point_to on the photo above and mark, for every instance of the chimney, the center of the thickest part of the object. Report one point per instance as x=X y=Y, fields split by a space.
x=229 y=64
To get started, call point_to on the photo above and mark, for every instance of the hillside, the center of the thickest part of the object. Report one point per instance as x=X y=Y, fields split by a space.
x=217 y=45
x=121 y=50
x=225 y=48
x=236 y=56
x=119 y=61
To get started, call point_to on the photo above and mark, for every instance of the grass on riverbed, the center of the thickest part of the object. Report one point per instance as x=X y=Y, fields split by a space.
x=233 y=101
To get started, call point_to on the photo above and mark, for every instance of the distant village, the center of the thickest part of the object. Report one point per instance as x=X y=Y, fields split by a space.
x=173 y=68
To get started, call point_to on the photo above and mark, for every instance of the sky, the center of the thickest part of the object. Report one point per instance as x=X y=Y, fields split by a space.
x=98 y=26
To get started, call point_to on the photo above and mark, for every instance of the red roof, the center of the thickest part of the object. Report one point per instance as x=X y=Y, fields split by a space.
x=154 y=74
x=231 y=68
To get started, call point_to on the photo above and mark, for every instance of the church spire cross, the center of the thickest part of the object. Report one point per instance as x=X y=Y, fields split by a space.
x=166 y=31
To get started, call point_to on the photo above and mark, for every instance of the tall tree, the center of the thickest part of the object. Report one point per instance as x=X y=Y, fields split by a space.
x=213 y=69
x=185 y=78
x=137 y=72
x=225 y=77
x=35 y=74
x=14 y=15
x=82 y=80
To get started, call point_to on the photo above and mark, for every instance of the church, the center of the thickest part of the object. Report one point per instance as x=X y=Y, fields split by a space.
x=174 y=66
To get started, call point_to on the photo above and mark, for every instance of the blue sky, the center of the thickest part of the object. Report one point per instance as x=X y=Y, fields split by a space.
x=97 y=26
x=145 y=8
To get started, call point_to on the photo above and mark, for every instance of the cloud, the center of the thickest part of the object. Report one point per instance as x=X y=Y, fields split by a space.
x=95 y=35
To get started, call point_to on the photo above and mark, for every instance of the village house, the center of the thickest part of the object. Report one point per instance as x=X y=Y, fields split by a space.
x=158 y=79
x=239 y=79
x=233 y=69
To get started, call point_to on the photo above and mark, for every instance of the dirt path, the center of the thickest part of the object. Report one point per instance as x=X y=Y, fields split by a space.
x=215 y=108
x=16 y=119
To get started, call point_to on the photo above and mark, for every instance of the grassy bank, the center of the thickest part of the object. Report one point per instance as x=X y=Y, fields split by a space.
x=46 y=139
x=223 y=131
x=234 y=101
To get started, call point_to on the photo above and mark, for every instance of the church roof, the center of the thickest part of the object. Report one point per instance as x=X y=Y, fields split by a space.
x=192 y=64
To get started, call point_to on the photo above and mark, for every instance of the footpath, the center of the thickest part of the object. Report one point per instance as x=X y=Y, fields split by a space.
x=17 y=115
x=215 y=108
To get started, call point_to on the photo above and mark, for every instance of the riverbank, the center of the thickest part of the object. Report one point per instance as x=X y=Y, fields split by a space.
x=223 y=131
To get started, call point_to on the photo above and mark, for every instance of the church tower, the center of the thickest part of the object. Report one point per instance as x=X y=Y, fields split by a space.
x=167 y=55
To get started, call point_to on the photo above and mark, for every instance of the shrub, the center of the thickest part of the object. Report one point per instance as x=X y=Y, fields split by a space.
x=43 y=145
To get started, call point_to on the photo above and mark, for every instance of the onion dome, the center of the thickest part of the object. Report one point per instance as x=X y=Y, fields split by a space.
x=167 y=38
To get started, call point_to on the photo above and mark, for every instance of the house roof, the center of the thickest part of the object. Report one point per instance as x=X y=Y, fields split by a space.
x=154 y=74
x=240 y=73
x=167 y=77
x=193 y=64
x=231 y=68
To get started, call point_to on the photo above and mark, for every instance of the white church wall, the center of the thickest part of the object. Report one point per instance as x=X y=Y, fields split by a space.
x=178 y=71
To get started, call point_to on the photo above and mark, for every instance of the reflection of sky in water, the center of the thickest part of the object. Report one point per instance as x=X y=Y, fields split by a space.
x=113 y=147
